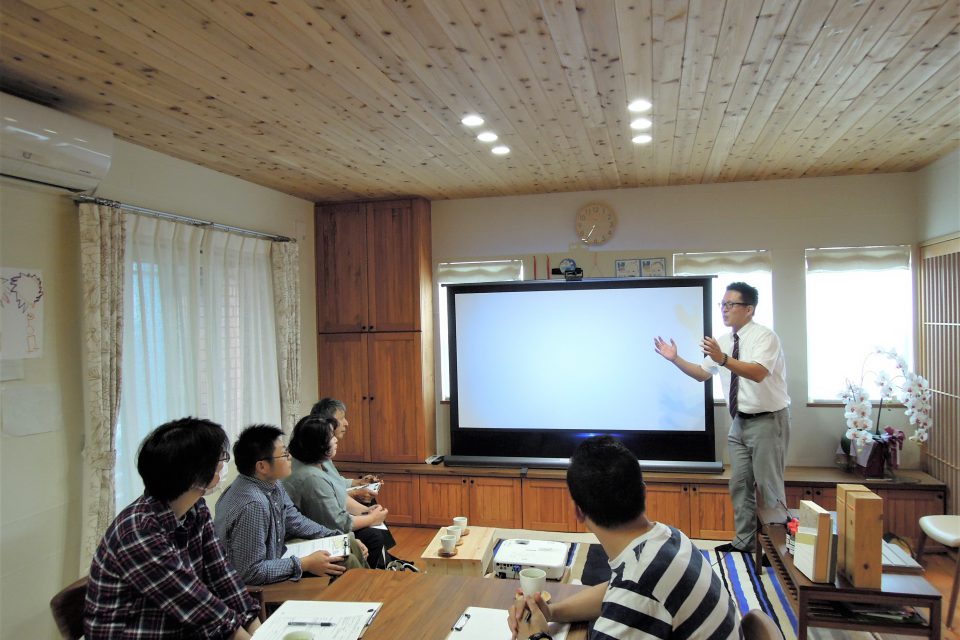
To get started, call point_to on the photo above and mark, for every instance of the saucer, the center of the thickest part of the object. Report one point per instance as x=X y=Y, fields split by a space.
x=444 y=554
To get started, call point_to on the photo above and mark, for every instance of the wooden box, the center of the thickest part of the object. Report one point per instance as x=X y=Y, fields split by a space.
x=842 y=491
x=473 y=556
x=863 y=539
x=814 y=553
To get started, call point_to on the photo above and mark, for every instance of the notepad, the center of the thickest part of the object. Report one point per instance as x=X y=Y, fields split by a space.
x=481 y=623
x=346 y=620
x=338 y=545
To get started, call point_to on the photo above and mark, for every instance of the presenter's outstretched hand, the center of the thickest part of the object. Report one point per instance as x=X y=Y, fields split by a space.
x=711 y=349
x=667 y=350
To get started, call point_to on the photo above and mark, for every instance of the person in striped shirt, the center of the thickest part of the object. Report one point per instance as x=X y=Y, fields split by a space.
x=661 y=586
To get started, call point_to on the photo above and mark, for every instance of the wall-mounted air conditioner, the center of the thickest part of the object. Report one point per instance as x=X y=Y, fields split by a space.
x=42 y=145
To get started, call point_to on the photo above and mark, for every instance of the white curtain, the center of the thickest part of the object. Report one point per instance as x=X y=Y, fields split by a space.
x=102 y=272
x=285 y=257
x=201 y=338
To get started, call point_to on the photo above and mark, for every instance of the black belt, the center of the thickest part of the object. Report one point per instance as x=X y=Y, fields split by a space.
x=750 y=416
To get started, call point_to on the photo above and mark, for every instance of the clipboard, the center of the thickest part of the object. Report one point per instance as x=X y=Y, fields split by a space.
x=481 y=623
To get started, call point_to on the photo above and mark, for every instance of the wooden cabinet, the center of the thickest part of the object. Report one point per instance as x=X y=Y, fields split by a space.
x=374 y=314
x=711 y=512
x=486 y=501
x=826 y=497
x=699 y=510
x=547 y=506
x=670 y=504
x=903 y=508
x=400 y=494
x=380 y=378
x=373 y=266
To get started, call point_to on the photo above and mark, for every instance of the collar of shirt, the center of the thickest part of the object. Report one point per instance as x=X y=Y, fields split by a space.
x=166 y=517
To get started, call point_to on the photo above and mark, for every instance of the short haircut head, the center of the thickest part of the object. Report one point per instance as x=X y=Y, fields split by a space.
x=605 y=481
x=180 y=455
x=255 y=443
x=312 y=438
x=328 y=407
x=749 y=294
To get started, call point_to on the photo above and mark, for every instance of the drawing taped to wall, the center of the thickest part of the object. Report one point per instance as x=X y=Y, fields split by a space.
x=21 y=302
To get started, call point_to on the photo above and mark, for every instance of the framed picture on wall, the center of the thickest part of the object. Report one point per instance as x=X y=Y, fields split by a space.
x=628 y=268
x=653 y=267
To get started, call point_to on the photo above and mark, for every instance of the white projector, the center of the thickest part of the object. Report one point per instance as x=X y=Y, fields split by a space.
x=514 y=555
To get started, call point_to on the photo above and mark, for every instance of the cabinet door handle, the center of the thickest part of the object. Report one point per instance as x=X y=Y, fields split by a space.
x=364 y=397
x=693 y=488
x=363 y=327
x=464 y=481
x=371 y=398
x=684 y=488
x=370 y=328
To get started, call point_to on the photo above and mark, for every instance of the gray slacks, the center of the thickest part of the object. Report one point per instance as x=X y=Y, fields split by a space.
x=758 y=453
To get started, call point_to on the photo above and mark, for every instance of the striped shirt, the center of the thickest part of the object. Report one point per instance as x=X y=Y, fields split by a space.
x=662 y=587
x=154 y=577
x=254 y=519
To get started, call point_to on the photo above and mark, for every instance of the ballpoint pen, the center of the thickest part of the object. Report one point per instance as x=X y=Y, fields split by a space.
x=305 y=623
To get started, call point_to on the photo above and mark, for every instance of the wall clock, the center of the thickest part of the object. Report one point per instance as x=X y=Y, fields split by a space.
x=595 y=223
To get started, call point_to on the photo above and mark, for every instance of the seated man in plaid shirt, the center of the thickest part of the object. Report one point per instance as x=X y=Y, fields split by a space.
x=160 y=570
x=255 y=516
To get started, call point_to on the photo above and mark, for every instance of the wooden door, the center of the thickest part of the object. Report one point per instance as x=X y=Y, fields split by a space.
x=495 y=502
x=669 y=504
x=442 y=498
x=400 y=495
x=711 y=512
x=342 y=301
x=547 y=506
x=394 y=402
x=393 y=241
x=342 y=373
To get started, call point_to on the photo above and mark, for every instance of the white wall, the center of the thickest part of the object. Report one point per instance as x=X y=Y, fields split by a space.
x=784 y=216
x=939 y=201
x=41 y=474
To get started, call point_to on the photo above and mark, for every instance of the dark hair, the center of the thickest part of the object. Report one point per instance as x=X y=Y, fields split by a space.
x=749 y=294
x=605 y=481
x=180 y=455
x=328 y=407
x=255 y=443
x=311 y=439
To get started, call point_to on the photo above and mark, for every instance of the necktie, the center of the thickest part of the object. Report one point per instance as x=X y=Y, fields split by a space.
x=734 y=378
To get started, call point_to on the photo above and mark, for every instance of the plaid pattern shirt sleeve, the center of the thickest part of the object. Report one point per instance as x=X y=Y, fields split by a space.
x=155 y=578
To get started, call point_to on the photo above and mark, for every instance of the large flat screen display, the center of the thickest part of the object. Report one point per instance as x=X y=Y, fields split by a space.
x=537 y=366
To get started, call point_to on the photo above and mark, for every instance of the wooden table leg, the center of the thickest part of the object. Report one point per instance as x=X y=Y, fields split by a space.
x=802 y=605
x=936 y=620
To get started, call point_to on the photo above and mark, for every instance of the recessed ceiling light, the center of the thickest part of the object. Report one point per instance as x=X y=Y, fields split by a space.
x=501 y=150
x=641 y=123
x=643 y=138
x=639 y=106
x=472 y=120
x=487 y=136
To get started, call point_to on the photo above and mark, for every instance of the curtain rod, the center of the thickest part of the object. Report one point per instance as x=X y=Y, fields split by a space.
x=178 y=218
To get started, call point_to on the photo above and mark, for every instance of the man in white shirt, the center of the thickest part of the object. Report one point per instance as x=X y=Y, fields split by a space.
x=754 y=379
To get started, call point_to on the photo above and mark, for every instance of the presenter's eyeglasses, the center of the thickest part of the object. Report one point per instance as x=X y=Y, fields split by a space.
x=730 y=305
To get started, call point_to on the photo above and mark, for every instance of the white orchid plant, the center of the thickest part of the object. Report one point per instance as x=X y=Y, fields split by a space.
x=904 y=386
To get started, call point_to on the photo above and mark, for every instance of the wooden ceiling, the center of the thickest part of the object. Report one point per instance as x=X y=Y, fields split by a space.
x=345 y=99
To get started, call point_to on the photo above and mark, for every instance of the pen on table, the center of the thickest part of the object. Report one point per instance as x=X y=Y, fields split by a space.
x=304 y=623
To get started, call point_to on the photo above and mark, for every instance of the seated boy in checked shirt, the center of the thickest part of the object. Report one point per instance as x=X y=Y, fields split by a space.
x=160 y=570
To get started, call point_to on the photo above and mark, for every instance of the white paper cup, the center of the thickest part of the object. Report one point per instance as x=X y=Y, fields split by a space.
x=532 y=581
x=455 y=531
x=298 y=635
x=449 y=543
x=460 y=521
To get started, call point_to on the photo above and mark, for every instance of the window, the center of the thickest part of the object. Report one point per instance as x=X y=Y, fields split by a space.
x=199 y=337
x=753 y=267
x=858 y=299
x=459 y=273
